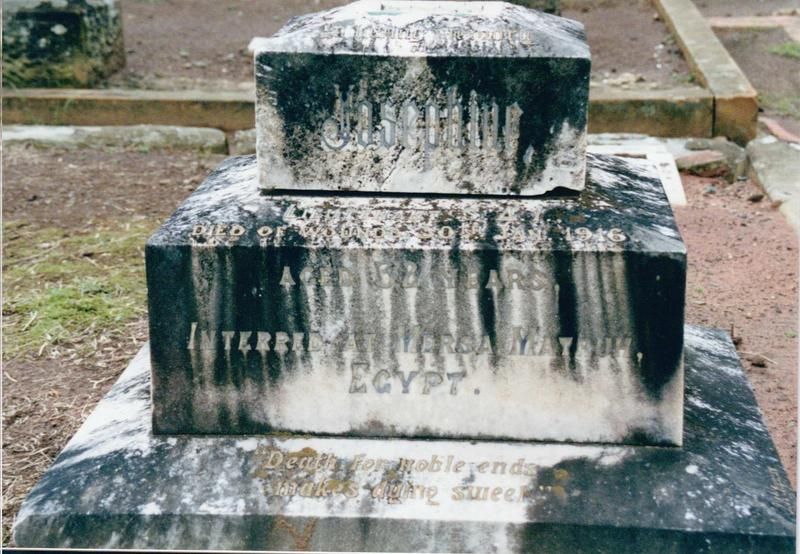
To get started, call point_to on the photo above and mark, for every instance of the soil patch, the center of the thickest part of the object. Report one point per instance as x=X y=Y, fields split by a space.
x=629 y=37
x=200 y=39
x=743 y=278
x=737 y=8
x=196 y=40
x=773 y=67
x=75 y=223
x=72 y=189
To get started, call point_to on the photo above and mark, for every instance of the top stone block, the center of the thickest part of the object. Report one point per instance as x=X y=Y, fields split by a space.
x=423 y=97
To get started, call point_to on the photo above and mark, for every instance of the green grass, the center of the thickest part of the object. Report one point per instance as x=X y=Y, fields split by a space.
x=66 y=288
x=787 y=50
x=782 y=104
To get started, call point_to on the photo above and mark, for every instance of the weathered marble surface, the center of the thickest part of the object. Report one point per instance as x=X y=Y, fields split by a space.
x=423 y=97
x=555 y=319
x=117 y=485
x=61 y=43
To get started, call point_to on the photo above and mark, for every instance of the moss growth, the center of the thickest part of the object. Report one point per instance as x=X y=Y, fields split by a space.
x=787 y=50
x=68 y=288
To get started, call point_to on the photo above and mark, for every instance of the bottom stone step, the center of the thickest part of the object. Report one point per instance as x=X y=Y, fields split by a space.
x=117 y=485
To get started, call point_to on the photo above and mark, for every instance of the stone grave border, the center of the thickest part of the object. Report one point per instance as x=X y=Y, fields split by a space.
x=789 y=23
x=725 y=104
x=674 y=112
x=735 y=109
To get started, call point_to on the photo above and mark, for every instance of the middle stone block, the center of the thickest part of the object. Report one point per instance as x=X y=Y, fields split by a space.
x=554 y=319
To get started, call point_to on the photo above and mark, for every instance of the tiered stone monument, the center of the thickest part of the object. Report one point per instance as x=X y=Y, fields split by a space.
x=422 y=249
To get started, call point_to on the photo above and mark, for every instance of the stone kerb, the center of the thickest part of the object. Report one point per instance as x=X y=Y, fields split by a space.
x=735 y=100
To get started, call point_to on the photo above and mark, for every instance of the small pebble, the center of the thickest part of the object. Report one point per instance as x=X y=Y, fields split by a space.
x=757 y=197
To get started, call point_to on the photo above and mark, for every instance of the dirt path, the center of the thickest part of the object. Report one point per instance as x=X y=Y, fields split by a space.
x=772 y=67
x=207 y=39
x=628 y=37
x=743 y=278
x=71 y=189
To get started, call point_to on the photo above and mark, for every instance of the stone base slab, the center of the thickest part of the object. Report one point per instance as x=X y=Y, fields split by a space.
x=116 y=485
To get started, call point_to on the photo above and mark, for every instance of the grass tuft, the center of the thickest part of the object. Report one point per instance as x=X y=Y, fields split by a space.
x=785 y=105
x=64 y=287
x=787 y=50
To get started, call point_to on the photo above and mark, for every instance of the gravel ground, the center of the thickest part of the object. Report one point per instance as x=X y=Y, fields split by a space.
x=207 y=39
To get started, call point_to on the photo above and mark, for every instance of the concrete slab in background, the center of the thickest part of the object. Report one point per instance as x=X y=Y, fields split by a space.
x=139 y=136
x=775 y=165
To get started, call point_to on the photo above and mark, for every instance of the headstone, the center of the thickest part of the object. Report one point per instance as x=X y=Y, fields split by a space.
x=556 y=319
x=320 y=300
x=73 y=43
x=483 y=98
x=403 y=315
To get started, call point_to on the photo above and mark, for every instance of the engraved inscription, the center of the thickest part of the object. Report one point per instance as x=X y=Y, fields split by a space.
x=329 y=226
x=557 y=352
x=418 y=38
x=385 y=275
x=216 y=234
x=309 y=474
x=422 y=124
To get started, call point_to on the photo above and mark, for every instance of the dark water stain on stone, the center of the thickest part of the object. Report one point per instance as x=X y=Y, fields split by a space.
x=656 y=284
x=488 y=258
